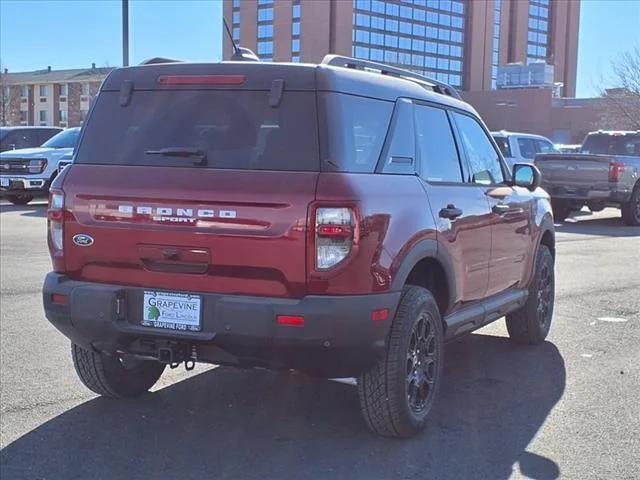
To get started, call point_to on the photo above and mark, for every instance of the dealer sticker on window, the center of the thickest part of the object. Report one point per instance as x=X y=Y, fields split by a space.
x=174 y=311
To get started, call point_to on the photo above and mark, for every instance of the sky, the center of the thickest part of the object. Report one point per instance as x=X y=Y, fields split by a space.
x=35 y=34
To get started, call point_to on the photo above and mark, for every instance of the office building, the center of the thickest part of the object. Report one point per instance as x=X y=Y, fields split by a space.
x=461 y=42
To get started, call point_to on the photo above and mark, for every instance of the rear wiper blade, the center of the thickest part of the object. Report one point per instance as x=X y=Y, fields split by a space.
x=199 y=156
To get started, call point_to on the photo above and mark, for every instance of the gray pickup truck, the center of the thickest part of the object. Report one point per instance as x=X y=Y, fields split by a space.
x=606 y=173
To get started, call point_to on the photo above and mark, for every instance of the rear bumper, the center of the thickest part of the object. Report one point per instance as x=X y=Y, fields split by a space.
x=613 y=194
x=339 y=337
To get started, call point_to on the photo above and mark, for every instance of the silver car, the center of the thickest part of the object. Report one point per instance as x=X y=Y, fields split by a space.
x=522 y=147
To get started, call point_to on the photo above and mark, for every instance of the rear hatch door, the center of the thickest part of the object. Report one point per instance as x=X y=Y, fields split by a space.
x=196 y=178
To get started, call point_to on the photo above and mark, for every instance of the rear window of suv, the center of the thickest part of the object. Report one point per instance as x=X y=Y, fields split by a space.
x=236 y=129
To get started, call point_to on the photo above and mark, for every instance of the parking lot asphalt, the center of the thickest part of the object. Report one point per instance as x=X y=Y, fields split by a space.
x=569 y=408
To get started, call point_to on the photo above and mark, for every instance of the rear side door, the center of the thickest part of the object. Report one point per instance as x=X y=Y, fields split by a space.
x=460 y=209
x=511 y=207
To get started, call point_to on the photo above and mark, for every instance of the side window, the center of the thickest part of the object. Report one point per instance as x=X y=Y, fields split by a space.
x=527 y=147
x=484 y=160
x=438 y=155
x=399 y=152
x=545 y=147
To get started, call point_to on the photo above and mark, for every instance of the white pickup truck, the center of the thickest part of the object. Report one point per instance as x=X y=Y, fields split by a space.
x=27 y=173
x=605 y=173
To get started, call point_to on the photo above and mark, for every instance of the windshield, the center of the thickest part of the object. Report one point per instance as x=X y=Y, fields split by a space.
x=236 y=130
x=65 y=139
x=607 y=144
x=503 y=145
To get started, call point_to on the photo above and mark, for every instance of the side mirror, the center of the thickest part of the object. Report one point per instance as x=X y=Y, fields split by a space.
x=526 y=175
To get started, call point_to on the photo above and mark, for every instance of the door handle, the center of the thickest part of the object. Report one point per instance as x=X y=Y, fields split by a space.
x=450 y=212
x=500 y=208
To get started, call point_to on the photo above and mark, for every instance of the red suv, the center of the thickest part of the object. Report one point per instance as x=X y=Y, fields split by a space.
x=344 y=219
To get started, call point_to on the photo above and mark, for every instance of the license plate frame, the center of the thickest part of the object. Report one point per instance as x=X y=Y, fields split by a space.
x=175 y=311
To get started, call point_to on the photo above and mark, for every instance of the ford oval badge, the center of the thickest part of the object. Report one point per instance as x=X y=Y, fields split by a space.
x=82 y=240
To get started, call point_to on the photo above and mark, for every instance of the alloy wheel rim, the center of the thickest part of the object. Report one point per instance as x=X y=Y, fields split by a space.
x=545 y=295
x=421 y=364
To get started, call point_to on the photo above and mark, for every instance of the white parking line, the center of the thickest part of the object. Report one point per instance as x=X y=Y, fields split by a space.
x=612 y=319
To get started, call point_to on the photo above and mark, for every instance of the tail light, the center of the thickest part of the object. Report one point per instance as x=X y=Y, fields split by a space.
x=615 y=170
x=37 y=166
x=335 y=231
x=55 y=221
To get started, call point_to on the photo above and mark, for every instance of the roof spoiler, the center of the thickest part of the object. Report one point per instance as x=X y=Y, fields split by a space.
x=374 y=67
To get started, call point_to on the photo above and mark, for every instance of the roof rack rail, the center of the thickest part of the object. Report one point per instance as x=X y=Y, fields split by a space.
x=367 y=65
x=154 y=60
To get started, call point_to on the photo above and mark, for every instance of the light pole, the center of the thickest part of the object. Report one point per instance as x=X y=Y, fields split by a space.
x=125 y=33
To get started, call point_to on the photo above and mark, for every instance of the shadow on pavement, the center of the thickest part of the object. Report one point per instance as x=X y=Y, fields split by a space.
x=226 y=423
x=610 y=227
x=36 y=208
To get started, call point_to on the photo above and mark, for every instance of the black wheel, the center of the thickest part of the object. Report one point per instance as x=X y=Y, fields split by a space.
x=114 y=376
x=530 y=324
x=631 y=209
x=21 y=199
x=561 y=210
x=397 y=395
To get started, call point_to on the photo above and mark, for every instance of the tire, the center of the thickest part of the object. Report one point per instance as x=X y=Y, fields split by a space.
x=631 y=209
x=21 y=199
x=530 y=325
x=391 y=404
x=561 y=210
x=109 y=376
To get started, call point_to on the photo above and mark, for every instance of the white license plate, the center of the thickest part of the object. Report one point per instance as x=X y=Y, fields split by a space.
x=173 y=311
x=4 y=182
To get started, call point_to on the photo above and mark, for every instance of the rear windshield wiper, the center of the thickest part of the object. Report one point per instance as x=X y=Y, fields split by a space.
x=199 y=156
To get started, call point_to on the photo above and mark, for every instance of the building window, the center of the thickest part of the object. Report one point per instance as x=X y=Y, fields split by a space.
x=265 y=14
x=495 y=59
x=295 y=30
x=235 y=18
x=43 y=116
x=402 y=29
x=23 y=117
x=44 y=90
x=265 y=48
x=265 y=31
x=25 y=91
x=85 y=89
x=64 y=89
x=537 y=37
x=83 y=115
x=64 y=116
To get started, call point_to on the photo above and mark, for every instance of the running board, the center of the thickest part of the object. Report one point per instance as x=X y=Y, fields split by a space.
x=484 y=312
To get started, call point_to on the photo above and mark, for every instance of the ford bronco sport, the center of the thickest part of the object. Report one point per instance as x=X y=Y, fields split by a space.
x=342 y=219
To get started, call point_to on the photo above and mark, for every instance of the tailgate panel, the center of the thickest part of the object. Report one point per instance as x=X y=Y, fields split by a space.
x=202 y=230
x=574 y=172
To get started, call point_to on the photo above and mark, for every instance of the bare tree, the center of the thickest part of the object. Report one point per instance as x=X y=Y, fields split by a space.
x=621 y=105
x=9 y=96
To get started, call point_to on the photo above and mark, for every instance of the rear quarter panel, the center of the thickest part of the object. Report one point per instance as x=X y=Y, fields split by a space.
x=394 y=215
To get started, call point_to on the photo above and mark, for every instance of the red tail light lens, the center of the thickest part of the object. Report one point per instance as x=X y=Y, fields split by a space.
x=615 y=170
x=290 y=320
x=334 y=235
x=55 y=220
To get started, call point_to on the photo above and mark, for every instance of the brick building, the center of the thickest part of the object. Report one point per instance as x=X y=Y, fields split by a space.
x=48 y=97
x=461 y=42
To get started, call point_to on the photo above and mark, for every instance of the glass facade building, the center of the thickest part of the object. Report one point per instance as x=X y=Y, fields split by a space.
x=538 y=34
x=426 y=36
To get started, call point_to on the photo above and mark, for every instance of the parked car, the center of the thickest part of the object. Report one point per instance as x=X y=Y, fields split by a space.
x=605 y=173
x=521 y=147
x=328 y=218
x=15 y=138
x=27 y=173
